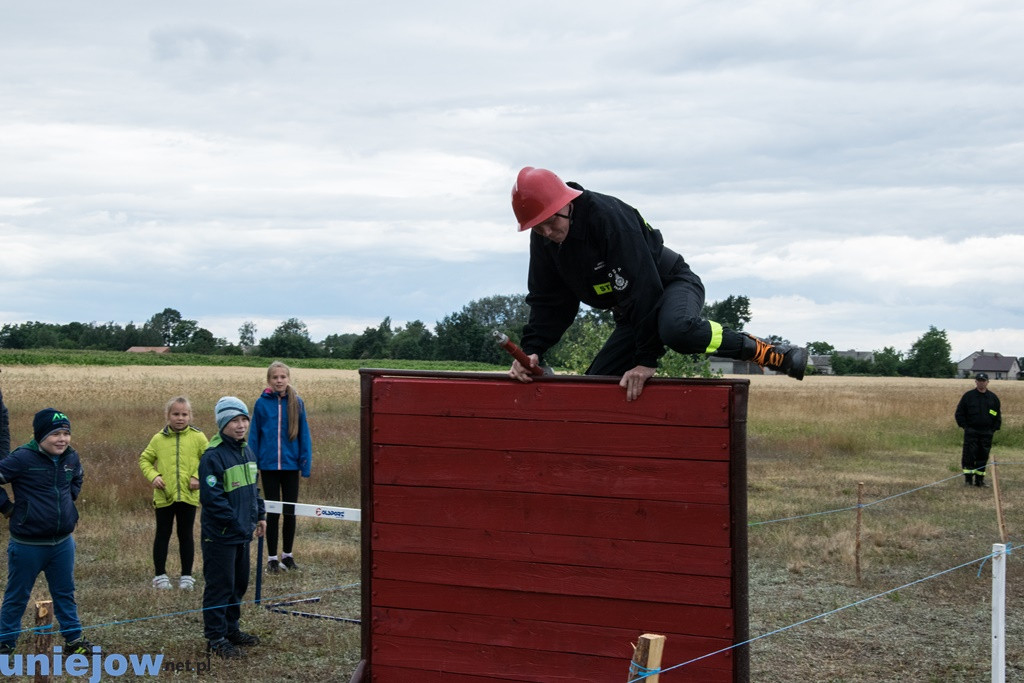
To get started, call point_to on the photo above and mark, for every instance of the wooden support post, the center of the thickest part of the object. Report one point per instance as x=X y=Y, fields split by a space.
x=44 y=634
x=992 y=471
x=647 y=657
x=860 y=507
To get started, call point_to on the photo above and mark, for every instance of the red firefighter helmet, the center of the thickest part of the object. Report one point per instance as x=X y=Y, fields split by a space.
x=537 y=195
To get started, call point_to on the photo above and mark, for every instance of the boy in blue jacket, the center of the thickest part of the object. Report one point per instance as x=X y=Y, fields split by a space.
x=46 y=476
x=232 y=511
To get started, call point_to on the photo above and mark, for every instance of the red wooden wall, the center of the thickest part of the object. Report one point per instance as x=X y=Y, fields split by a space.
x=531 y=532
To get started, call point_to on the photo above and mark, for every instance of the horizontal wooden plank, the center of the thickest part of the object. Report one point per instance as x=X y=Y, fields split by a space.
x=534 y=577
x=652 y=441
x=657 y=617
x=392 y=674
x=658 y=521
x=695 y=405
x=513 y=663
x=696 y=481
x=567 y=550
x=599 y=641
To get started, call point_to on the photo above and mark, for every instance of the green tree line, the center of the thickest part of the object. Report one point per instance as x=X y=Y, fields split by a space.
x=464 y=335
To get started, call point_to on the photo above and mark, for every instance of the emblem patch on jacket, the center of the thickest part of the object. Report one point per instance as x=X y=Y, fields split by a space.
x=619 y=283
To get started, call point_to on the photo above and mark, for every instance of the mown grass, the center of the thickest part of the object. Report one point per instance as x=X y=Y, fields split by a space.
x=809 y=446
x=121 y=358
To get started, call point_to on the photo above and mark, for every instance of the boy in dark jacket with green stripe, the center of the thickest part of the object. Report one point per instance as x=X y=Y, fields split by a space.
x=232 y=511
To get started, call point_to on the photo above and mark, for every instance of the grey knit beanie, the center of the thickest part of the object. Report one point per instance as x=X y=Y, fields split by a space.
x=228 y=408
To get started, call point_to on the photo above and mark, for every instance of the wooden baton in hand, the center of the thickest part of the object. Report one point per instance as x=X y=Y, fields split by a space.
x=504 y=342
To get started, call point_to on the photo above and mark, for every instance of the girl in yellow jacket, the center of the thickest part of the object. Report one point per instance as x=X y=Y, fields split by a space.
x=171 y=463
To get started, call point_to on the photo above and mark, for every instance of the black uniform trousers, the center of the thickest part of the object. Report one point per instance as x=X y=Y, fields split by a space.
x=680 y=327
x=977 y=445
x=226 y=575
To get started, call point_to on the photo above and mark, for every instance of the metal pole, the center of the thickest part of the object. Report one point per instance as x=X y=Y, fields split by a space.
x=259 y=570
x=999 y=613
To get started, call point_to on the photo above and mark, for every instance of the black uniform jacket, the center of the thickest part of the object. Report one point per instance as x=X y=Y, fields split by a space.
x=611 y=259
x=979 y=411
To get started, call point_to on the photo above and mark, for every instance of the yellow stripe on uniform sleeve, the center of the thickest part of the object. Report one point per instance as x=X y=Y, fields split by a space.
x=716 y=337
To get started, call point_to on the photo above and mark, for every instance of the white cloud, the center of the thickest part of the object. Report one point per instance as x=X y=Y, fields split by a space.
x=894 y=262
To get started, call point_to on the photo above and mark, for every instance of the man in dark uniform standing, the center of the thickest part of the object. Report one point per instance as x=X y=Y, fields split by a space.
x=978 y=414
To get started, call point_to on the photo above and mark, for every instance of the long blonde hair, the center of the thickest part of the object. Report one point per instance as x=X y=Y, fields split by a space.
x=291 y=397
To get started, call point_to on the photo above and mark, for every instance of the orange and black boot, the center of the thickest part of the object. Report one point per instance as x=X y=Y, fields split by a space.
x=791 y=360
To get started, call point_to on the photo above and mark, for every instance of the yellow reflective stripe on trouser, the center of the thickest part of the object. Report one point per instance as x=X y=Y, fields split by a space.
x=716 y=337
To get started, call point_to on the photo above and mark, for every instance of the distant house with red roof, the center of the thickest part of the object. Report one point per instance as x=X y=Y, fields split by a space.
x=995 y=365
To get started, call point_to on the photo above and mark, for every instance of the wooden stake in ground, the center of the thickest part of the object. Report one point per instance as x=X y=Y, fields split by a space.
x=991 y=470
x=856 y=550
x=44 y=634
x=646 y=657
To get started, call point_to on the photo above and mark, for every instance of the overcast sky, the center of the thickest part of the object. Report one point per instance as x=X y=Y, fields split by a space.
x=855 y=168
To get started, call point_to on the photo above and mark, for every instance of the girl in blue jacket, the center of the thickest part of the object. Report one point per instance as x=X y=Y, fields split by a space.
x=279 y=436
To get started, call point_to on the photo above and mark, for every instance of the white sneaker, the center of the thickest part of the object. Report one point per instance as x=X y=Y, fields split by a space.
x=186 y=583
x=161 y=582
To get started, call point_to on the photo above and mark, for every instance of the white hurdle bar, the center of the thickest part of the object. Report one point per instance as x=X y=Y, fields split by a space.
x=301 y=510
x=321 y=511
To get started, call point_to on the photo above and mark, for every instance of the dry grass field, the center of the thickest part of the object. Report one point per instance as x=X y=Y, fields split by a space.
x=809 y=445
x=114 y=411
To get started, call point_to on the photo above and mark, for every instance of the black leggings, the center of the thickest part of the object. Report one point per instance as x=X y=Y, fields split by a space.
x=282 y=485
x=185 y=515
